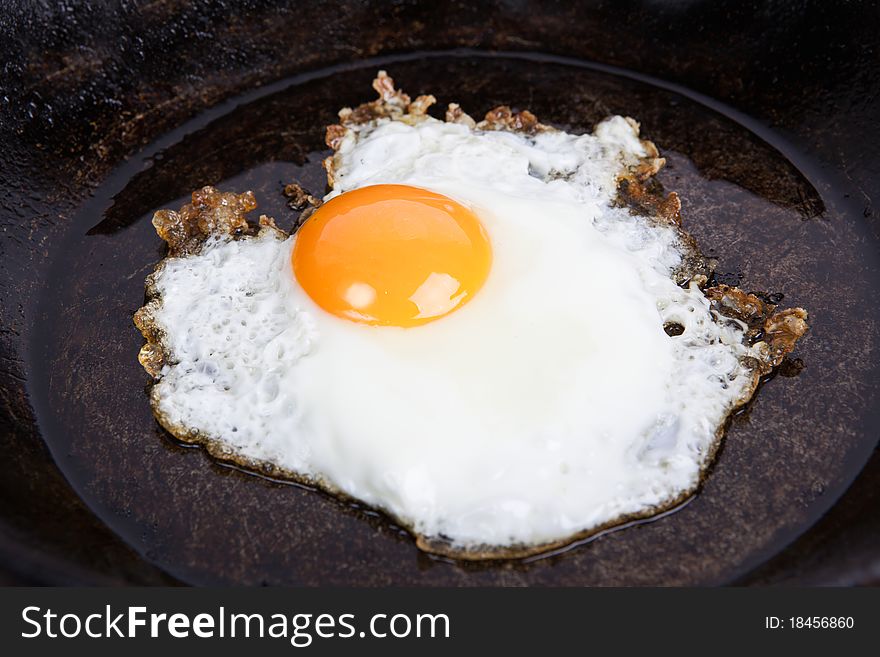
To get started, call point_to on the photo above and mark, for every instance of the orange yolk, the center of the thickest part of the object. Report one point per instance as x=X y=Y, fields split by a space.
x=391 y=255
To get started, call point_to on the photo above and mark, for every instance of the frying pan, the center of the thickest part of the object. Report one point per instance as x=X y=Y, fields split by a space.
x=767 y=114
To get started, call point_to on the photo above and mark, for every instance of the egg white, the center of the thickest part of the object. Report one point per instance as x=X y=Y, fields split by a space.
x=551 y=404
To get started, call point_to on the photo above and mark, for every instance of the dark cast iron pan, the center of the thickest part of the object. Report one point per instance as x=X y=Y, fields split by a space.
x=766 y=113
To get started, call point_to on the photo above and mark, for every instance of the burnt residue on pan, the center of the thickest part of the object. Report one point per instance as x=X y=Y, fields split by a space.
x=88 y=85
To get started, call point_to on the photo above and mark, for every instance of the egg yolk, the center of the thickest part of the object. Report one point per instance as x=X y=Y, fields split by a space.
x=391 y=255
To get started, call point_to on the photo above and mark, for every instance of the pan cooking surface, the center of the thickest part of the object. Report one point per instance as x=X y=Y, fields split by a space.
x=770 y=222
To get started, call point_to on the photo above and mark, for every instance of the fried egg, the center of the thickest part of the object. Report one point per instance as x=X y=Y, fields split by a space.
x=468 y=334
